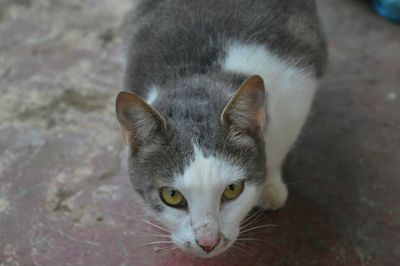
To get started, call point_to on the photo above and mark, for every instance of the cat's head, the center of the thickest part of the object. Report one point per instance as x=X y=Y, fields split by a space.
x=199 y=169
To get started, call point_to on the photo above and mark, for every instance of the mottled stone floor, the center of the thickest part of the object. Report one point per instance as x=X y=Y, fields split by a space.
x=65 y=198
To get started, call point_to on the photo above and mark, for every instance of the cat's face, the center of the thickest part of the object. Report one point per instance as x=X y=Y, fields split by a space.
x=204 y=205
x=199 y=186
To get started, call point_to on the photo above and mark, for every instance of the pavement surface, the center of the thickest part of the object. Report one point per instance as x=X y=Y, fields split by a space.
x=65 y=198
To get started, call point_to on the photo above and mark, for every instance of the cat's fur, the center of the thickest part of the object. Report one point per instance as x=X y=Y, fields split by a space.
x=187 y=58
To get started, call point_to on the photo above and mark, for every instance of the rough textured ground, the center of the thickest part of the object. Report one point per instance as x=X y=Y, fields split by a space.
x=63 y=188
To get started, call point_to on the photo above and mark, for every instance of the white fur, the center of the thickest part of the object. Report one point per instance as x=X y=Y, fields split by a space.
x=202 y=184
x=290 y=92
x=152 y=96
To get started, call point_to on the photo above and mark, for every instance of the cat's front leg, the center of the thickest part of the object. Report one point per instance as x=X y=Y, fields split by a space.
x=287 y=115
x=275 y=192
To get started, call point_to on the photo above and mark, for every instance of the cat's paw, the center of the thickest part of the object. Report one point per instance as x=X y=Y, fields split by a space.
x=274 y=195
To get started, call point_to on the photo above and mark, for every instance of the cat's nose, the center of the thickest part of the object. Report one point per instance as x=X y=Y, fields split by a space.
x=208 y=243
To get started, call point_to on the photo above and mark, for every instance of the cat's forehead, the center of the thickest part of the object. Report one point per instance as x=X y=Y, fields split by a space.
x=205 y=171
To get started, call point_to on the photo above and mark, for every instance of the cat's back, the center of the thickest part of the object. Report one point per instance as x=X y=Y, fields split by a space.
x=167 y=35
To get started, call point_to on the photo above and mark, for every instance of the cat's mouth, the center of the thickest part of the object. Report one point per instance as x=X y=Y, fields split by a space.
x=195 y=249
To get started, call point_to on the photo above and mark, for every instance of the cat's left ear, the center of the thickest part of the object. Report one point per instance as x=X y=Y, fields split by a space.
x=246 y=111
x=139 y=121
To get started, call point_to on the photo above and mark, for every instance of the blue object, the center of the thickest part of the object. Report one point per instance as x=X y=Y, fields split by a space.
x=389 y=9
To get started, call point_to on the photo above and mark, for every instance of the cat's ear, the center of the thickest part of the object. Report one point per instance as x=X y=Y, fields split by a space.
x=139 y=121
x=246 y=110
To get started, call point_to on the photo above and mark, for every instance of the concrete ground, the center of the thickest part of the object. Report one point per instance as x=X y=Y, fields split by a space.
x=65 y=198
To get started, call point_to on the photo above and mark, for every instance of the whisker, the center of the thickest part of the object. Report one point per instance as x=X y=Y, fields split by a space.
x=156 y=235
x=155 y=230
x=150 y=232
x=244 y=247
x=160 y=252
x=142 y=220
x=251 y=216
x=139 y=217
x=258 y=227
x=255 y=219
x=145 y=220
x=157 y=226
x=152 y=243
x=252 y=239
x=251 y=222
x=231 y=253
x=292 y=183
x=164 y=248
x=237 y=248
x=165 y=251
x=130 y=208
x=296 y=182
x=234 y=252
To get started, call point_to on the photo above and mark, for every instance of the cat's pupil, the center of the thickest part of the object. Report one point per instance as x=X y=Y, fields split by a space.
x=172 y=193
x=232 y=187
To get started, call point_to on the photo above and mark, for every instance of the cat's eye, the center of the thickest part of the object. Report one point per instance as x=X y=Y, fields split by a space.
x=232 y=191
x=172 y=197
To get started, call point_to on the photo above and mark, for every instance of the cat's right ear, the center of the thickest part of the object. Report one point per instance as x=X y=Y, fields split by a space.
x=139 y=121
x=246 y=111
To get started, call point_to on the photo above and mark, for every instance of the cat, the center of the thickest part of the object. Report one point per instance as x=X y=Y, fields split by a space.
x=216 y=93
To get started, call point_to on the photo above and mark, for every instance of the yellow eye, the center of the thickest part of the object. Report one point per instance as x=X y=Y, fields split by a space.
x=233 y=191
x=172 y=197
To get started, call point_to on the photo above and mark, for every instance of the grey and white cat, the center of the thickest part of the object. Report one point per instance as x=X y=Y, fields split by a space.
x=216 y=93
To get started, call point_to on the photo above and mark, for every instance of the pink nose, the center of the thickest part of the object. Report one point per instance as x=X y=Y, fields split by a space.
x=208 y=243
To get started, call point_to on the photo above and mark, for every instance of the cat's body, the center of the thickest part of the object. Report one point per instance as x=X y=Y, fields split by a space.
x=187 y=58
